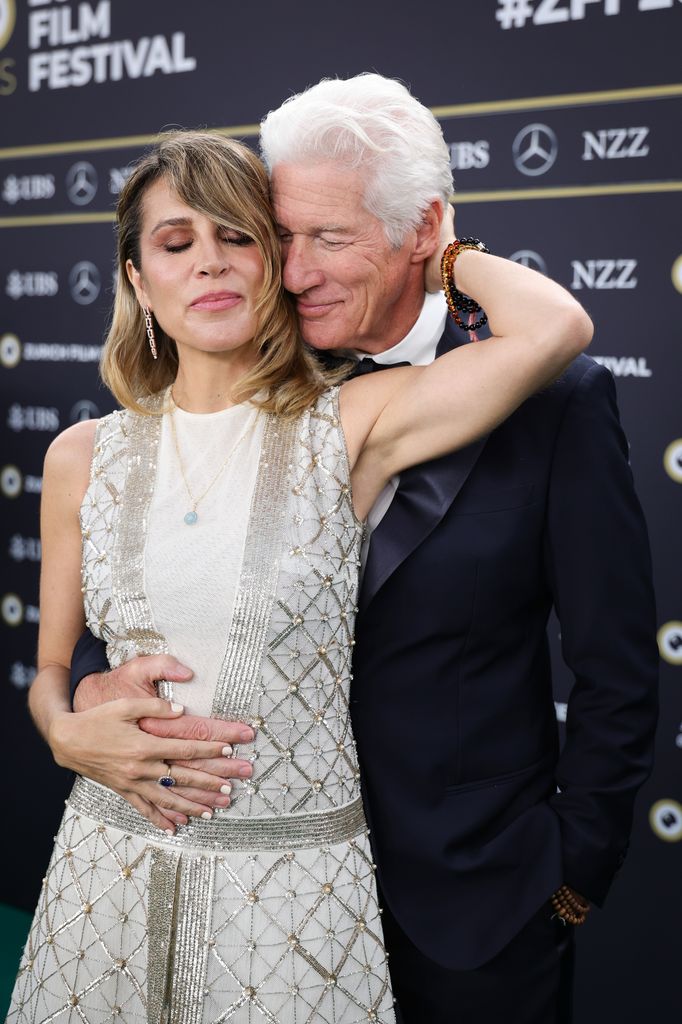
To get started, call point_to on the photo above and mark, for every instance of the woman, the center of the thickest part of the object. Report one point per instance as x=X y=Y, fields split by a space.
x=221 y=517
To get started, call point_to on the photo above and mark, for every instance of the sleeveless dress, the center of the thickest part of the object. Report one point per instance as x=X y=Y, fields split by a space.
x=267 y=912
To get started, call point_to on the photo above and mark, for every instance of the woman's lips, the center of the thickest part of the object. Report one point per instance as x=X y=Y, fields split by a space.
x=216 y=300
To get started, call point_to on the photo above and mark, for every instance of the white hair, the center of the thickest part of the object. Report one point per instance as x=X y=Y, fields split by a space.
x=373 y=124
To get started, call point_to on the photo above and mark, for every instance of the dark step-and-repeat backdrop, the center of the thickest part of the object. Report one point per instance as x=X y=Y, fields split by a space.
x=563 y=122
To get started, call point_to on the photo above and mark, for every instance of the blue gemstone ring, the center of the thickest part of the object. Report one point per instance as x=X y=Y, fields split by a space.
x=167 y=780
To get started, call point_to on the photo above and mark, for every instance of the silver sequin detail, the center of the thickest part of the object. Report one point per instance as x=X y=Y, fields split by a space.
x=274 y=832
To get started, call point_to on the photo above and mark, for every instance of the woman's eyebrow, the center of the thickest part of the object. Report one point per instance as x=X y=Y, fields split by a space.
x=172 y=222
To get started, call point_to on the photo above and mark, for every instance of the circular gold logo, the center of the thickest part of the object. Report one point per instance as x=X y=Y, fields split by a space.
x=12 y=609
x=8 y=16
x=672 y=460
x=669 y=639
x=10 y=350
x=11 y=481
x=676 y=273
x=665 y=818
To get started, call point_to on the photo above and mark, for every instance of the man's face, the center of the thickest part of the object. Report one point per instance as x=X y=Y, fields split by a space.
x=353 y=289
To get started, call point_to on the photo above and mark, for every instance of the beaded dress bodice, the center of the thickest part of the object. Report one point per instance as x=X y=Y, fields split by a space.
x=285 y=663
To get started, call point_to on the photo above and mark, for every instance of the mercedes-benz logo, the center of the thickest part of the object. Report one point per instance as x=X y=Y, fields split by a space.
x=84 y=410
x=535 y=149
x=528 y=258
x=81 y=183
x=84 y=282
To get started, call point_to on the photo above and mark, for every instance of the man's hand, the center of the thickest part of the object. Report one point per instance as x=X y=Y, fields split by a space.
x=136 y=679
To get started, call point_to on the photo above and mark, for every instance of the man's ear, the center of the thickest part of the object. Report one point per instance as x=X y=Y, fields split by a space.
x=428 y=232
x=135 y=278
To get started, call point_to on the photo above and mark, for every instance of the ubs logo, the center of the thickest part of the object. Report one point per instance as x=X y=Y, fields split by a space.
x=84 y=282
x=665 y=818
x=81 y=183
x=535 y=150
x=8 y=17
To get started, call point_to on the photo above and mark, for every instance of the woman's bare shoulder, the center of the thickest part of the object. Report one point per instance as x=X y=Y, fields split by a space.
x=67 y=461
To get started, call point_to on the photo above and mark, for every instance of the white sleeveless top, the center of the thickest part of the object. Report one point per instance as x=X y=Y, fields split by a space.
x=192 y=572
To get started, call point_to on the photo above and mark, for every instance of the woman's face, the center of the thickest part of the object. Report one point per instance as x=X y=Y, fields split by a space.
x=200 y=280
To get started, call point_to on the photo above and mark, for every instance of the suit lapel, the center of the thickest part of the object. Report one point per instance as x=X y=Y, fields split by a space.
x=425 y=494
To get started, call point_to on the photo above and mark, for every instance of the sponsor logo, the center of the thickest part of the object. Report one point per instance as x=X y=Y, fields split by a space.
x=467 y=156
x=81 y=183
x=665 y=818
x=12 y=609
x=10 y=351
x=34 y=284
x=84 y=410
x=615 y=144
x=11 y=481
x=522 y=13
x=74 y=63
x=117 y=178
x=84 y=282
x=24 y=549
x=535 y=150
x=528 y=258
x=32 y=417
x=603 y=275
x=8 y=17
x=672 y=460
x=55 y=352
x=21 y=676
x=676 y=273
x=669 y=639
x=27 y=188
x=625 y=366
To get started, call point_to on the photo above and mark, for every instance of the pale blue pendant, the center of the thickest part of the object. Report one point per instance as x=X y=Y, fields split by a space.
x=191 y=518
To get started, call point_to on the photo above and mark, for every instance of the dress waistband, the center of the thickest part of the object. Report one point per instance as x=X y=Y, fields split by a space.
x=267 y=832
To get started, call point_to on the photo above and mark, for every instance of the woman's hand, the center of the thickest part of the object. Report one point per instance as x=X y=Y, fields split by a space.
x=432 y=278
x=106 y=744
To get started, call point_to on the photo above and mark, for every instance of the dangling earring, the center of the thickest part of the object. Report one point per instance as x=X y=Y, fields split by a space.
x=149 y=324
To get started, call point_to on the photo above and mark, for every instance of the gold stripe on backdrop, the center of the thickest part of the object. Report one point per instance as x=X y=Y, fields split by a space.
x=571 y=99
x=492 y=196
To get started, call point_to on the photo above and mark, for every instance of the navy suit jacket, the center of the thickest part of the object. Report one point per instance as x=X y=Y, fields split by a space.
x=475 y=816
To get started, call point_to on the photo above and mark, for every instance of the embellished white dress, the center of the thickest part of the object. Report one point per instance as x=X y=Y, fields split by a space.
x=267 y=912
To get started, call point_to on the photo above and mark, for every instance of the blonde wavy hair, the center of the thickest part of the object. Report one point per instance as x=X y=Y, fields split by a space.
x=225 y=181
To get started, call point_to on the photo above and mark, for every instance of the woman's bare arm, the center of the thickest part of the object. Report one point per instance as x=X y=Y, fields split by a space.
x=409 y=415
x=105 y=743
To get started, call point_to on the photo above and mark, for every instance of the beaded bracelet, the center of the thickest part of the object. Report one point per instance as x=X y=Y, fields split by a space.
x=457 y=301
x=569 y=908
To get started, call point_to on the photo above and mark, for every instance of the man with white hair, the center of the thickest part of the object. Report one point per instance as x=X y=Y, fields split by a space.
x=490 y=843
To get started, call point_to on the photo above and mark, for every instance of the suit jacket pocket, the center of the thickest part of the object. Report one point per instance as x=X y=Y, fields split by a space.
x=469 y=503
x=493 y=781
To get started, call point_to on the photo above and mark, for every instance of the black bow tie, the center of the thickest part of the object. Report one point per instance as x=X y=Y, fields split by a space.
x=370 y=366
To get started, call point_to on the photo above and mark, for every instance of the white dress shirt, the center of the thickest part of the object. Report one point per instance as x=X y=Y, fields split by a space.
x=419 y=348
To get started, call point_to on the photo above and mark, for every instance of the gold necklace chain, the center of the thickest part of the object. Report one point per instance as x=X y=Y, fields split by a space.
x=191 y=517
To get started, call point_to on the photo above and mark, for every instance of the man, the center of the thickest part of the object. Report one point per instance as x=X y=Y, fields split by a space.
x=477 y=819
